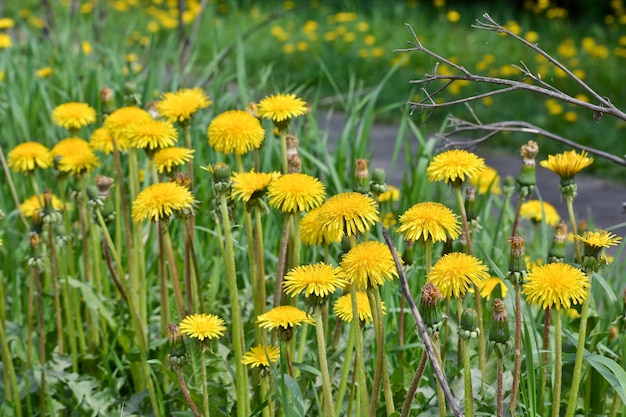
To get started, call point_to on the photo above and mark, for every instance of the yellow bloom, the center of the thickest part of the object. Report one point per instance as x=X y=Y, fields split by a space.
x=151 y=134
x=311 y=231
x=454 y=273
x=5 y=41
x=102 y=141
x=343 y=307
x=282 y=107
x=454 y=166
x=118 y=122
x=368 y=264
x=319 y=280
x=487 y=287
x=429 y=221
x=159 y=201
x=599 y=239
x=75 y=156
x=249 y=185
x=6 y=23
x=44 y=72
x=202 y=326
x=73 y=115
x=348 y=213
x=487 y=181
x=556 y=285
x=27 y=156
x=567 y=164
x=169 y=159
x=181 y=105
x=392 y=194
x=534 y=210
x=235 y=131
x=261 y=356
x=32 y=206
x=295 y=192
x=285 y=317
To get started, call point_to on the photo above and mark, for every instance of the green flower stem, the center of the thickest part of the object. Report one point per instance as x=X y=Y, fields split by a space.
x=163 y=230
x=477 y=298
x=345 y=371
x=520 y=201
x=283 y=150
x=544 y=361
x=415 y=382
x=198 y=300
x=467 y=377
x=11 y=389
x=252 y=264
x=66 y=297
x=163 y=290
x=295 y=241
x=42 y=342
x=517 y=354
x=327 y=401
x=573 y=225
x=429 y=254
x=281 y=266
x=189 y=144
x=260 y=259
x=58 y=314
x=186 y=394
x=241 y=377
x=302 y=344
x=441 y=398
x=205 y=388
x=558 y=365
x=136 y=254
x=499 y=387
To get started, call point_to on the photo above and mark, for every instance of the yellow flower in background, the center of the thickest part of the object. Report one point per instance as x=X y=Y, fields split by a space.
x=343 y=307
x=73 y=115
x=556 y=285
x=454 y=166
x=320 y=280
x=169 y=159
x=531 y=36
x=295 y=192
x=249 y=185
x=261 y=356
x=86 y=48
x=151 y=134
x=348 y=213
x=567 y=164
x=282 y=107
x=534 y=210
x=102 y=141
x=284 y=317
x=5 y=41
x=6 y=23
x=75 y=156
x=118 y=122
x=487 y=181
x=183 y=104
x=202 y=326
x=429 y=221
x=160 y=201
x=454 y=273
x=488 y=286
x=32 y=206
x=27 y=156
x=235 y=131
x=312 y=232
x=368 y=264
x=453 y=16
x=392 y=194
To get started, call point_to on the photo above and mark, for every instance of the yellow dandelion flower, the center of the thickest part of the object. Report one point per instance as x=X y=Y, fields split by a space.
x=102 y=141
x=119 y=120
x=319 y=280
x=159 y=201
x=44 y=72
x=368 y=264
x=151 y=134
x=429 y=221
x=534 y=210
x=348 y=213
x=27 y=156
x=75 y=156
x=343 y=307
x=599 y=239
x=283 y=317
x=202 y=326
x=6 y=23
x=169 y=159
x=454 y=166
x=73 y=115
x=295 y=192
x=487 y=181
x=181 y=105
x=5 y=41
x=235 y=131
x=311 y=231
x=455 y=272
x=556 y=285
x=392 y=194
x=249 y=185
x=261 y=356
x=282 y=107
x=32 y=206
x=567 y=164
x=488 y=286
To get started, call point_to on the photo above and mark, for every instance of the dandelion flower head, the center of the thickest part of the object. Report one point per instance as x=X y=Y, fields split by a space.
x=454 y=166
x=32 y=206
x=319 y=280
x=282 y=107
x=392 y=194
x=235 y=131
x=534 y=210
x=348 y=213
x=487 y=181
x=249 y=185
x=368 y=264
x=567 y=164
x=202 y=326
x=312 y=232
x=599 y=239
x=169 y=159
x=296 y=192
x=284 y=317
x=261 y=356
x=429 y=221
x=556 y=285
x=118 y=122
x=75 y=156
x=488 y=286
x=159 y=201
x=27 y=156
x=73 y=115
x=455 y=272
x=151 y=134
x=102 y=141
x=181 y=105
x=343 y=307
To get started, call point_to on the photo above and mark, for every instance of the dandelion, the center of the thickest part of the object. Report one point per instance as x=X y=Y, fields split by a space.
x=202 y=326
x=392 y=194
x=312 y=232
x=151 y=134
x=235 y=131
x=597 y=240
x=556 y=285
x=27 y=156
x=261 y=356
x=535 y=210
x=296 y=192
x=368 y=264
x=32 y=206
x=429 y=221
x=169 y=159
x=182 y=105
x=281 y=108
x=75 y=156
x=487 y=181
x=102 y=141
x=319 y=280
x=5 y=41
x=567 y=164
x=488 y=286
x=250 y=185
x=348 y=213
x=284 y=319
x=118 y=121
x=453 y=274
x=343 y=307
x=73 y=116
x=160 y=201
x=44 y=72
x=454 y=166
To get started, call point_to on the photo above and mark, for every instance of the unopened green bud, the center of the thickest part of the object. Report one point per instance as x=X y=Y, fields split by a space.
x=470 y=204
x=556 y=253
x=469 y=324
x=178 y=352
x=430 y=309
x=517 y=263
x=361 y=177
x=408 y=255
x=499 y=332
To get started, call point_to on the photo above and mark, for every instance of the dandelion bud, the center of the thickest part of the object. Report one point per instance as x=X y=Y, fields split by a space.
x=178 y=352
x=107 y=105
x=556 y=253
x=430 y=309
x=294 y=164
x=613 y=334
x=517 y=264
x=131 y=96
x=377 y=184
x=221 y=179
x=500 y=328
x=104 y=185
x=470 y=204
x=408 y=255
x=527 y=178
x=253 y=109
x=469 y=324
x=292 y=142
x=361 y=177
x=508 y=186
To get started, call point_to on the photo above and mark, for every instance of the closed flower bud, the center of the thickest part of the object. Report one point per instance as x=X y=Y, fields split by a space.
x=469 y=324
